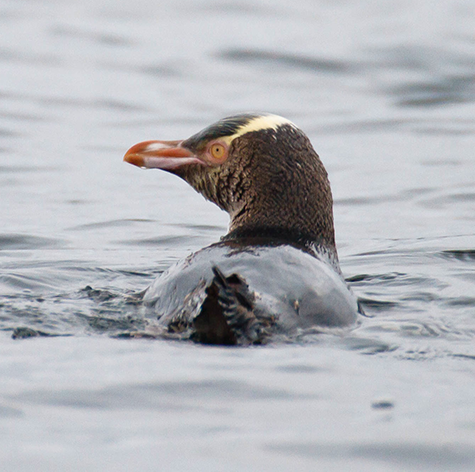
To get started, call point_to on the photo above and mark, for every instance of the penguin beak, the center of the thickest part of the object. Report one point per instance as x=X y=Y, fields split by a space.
x=165 y=155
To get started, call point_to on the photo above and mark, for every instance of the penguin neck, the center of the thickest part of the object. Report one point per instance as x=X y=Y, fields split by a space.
x=304 y=224
x=276 y=236
x=273 y=229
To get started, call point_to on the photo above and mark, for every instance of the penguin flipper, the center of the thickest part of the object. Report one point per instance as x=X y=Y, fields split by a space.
x=227 y=315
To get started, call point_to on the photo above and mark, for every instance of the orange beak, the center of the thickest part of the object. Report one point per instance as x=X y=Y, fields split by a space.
x=165 y=155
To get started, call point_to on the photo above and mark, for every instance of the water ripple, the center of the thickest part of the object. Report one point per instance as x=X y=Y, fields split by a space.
x=274 y=58
x=465 y=255
x=447 y=91
x=111 y=39
x=158 y=395
x=404 y=454
x=123 y=222
x=24 y=241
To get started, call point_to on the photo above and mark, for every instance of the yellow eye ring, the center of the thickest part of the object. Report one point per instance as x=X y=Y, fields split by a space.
x=217 y=151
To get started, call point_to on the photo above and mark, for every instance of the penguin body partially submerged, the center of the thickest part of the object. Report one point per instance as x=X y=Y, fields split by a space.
x=276 y=271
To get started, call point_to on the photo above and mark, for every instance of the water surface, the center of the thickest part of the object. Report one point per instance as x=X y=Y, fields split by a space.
x=385 y=92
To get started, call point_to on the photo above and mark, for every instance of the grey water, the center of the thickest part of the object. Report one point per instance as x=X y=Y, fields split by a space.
x=385 y=91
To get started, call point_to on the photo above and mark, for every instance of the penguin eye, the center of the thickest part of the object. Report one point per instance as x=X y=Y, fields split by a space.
x=218 y=151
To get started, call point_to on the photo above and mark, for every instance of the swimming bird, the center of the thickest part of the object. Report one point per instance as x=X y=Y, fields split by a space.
x=276 y=271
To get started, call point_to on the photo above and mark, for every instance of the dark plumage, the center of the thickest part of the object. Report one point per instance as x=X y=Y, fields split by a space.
x=276 y=271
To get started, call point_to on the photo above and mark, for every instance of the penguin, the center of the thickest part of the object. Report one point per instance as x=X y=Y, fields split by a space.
x=276 y=272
